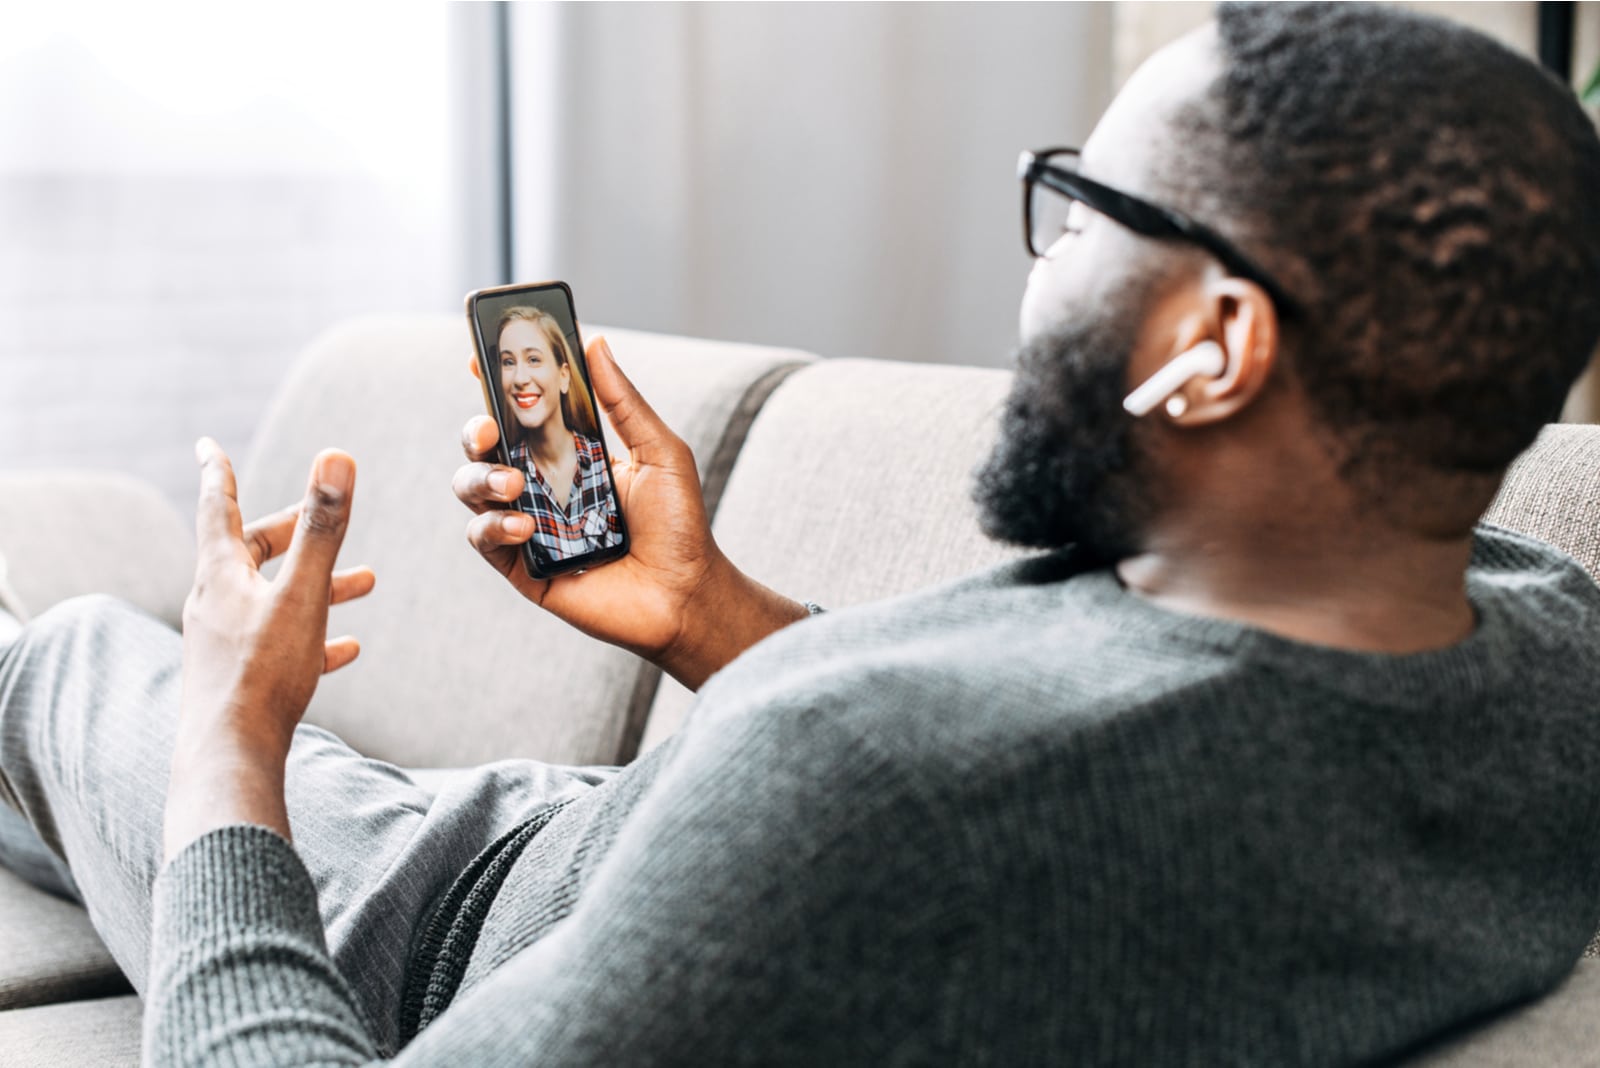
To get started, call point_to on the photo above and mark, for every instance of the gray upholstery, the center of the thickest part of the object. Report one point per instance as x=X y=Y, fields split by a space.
x=95 y=1034
x=1552 y=492
x=854 y=484
x=1561 y=1030
x=51 y=952
x=100 y=533
x=456 y=668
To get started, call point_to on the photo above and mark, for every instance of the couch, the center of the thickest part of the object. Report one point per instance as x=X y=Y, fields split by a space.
x=790 y=450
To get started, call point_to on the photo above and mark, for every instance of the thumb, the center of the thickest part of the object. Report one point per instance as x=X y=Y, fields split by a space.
x=308 y=565
x=635 y=422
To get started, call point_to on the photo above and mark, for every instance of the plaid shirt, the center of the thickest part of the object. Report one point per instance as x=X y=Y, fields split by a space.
x=589 y=521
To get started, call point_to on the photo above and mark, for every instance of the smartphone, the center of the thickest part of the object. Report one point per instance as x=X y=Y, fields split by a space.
x=536 y=386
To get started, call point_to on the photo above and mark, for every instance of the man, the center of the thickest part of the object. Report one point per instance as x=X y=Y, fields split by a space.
x=1273 y=759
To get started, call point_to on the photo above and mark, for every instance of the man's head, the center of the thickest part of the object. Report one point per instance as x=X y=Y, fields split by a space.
x=1429 y=199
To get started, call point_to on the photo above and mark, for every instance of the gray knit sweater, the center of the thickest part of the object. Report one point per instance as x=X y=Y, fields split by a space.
x=1027 y=818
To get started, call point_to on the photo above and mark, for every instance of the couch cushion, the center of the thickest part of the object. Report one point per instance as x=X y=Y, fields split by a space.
x=51 y=951
x=1551 y=493
x=1560 y=1030
x=90 y=1034
x=854 y=484
x=138 y=547
x=456 y=668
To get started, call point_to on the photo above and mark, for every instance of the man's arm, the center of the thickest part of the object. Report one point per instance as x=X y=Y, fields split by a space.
x=239 y=966
x=748 y=910
x=675 y=599
x=781 y=895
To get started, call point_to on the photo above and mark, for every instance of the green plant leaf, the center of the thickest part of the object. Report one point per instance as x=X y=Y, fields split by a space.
x=1591 y=91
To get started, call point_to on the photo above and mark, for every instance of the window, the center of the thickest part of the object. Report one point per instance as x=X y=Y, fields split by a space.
x=189 y=194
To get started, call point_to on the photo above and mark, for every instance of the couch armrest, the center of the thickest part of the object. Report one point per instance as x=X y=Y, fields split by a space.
x=66 y=533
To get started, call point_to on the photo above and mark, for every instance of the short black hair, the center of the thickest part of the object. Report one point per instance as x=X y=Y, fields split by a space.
x=1432 y=197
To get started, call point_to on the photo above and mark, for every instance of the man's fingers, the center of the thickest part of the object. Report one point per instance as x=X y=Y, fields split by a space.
x=480 y=486
x=217 y=526
x=337 y=652
x=479 y=437
x=496 y=535
x=269 y=536
x=324 y=514
x=495 y=529
x=352 y=583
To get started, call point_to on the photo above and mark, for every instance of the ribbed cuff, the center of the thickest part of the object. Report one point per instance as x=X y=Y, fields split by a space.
x=239 y=969
x=242 y=878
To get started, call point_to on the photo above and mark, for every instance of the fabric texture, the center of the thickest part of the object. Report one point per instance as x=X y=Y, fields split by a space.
x=443 y=948
x=879 y=507
x=52 y=953
x=489 y=690
x=88 y=707
x=102 y=1032
x=1120 y=836
x=24 y=854
x=1552 y=490
x=1561 y=1030
x=587 y=521
x=138 y=548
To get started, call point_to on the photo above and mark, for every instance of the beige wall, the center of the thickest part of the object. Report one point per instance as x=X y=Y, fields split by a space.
x=833 y=177
x=1144 y=26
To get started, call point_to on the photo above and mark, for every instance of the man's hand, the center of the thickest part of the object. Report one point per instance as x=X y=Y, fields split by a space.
x=674 y=599
x=253 y=649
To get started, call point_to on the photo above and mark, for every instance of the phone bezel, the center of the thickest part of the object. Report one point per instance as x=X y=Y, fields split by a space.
x=535 y=559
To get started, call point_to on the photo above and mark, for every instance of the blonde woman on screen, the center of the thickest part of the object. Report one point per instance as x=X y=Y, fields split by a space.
x=552 y=435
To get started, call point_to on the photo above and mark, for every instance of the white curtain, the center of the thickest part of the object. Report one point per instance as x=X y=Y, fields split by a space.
x=189 y=193
x=839 y=178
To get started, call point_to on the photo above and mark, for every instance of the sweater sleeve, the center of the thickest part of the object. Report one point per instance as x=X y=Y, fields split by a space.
x=239 y=970
x=751 y=911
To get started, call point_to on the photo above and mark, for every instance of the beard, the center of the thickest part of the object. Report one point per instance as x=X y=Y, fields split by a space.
x=1068 y=464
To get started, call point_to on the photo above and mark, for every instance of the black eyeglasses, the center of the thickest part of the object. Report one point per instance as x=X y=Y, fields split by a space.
x=1044 y=217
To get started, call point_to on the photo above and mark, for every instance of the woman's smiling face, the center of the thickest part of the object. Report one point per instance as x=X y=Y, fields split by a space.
x=530 y=376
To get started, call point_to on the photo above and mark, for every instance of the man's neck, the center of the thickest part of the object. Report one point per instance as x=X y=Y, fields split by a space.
x=1367 y=590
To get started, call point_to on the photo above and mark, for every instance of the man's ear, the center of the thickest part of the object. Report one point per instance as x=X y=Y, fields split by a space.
x=1244 y=322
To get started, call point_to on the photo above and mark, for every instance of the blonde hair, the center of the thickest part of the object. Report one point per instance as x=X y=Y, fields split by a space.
x=576 y=410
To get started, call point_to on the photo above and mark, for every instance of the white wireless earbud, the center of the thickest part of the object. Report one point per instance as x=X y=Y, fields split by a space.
x=1206 y=358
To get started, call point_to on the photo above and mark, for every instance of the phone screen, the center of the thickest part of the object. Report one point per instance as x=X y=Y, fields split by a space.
x=536 y=385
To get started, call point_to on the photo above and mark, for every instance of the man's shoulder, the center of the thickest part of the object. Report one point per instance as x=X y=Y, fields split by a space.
x=1034 y=650
x=1531 y=580
x=1497 y=548
x=973 y=618
x=1016 y=654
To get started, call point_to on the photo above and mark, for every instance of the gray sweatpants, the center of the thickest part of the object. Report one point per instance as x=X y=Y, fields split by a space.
x=88 y=706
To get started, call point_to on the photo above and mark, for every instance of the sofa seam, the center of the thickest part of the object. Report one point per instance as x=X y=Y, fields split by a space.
x=734 y=434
